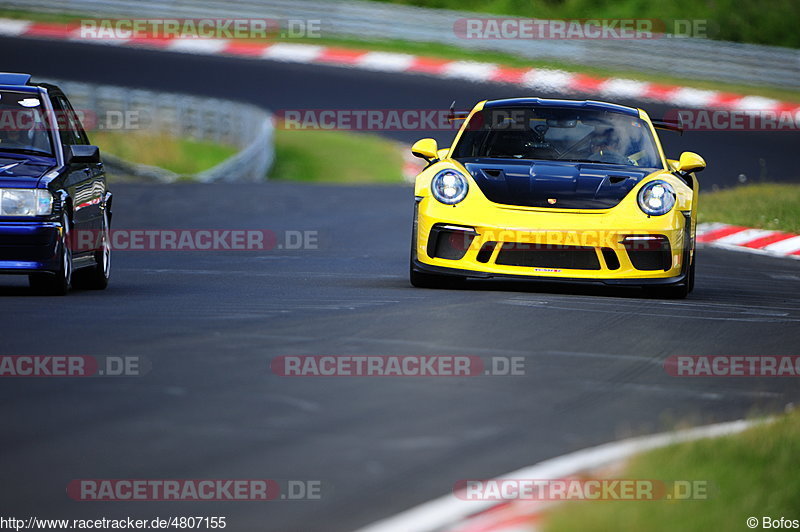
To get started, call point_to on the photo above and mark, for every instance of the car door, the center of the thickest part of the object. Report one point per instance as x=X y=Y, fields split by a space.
x=86 y=183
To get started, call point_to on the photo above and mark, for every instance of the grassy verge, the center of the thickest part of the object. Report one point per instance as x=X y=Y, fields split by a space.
x=766 y=206
x=335 y=157
x=182 y=156
x=750 y=474
x=452 y=52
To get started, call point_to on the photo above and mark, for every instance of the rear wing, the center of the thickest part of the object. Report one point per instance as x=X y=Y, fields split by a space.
x=668 y=125
x=454 y=115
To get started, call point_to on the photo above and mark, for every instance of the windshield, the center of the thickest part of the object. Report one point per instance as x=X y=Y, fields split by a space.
x=23 y=127
x=559 y=134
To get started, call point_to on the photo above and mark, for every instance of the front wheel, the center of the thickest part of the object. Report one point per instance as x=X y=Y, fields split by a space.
x=679 y=291
x=96 y=277
x=431 y=280
x=59 y=282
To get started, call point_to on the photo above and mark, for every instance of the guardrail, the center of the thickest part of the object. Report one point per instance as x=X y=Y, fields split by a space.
x=246 y=127
x=684 y=57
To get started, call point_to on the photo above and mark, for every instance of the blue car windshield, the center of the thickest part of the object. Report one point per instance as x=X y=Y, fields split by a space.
x=559 y=134
x=23 y=124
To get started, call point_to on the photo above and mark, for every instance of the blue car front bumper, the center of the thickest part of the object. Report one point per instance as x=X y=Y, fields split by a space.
x=29 y=247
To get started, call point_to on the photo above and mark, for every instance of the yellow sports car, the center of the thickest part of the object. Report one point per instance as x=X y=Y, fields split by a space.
x=560 y=190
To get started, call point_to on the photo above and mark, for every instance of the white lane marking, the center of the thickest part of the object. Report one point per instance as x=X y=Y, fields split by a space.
x=692 y=97
x=763 y=251
x=624 y=88
x=678 y=390
x=469 y=70
x=757 y=317
x=386 y=61
x=524 y=303
x=13 y=27
x=790 y=245
x=632 y=306
x=757 y=103
x=784 y=276
x=300 y=53
x=198 y=46
x=107 y=42
x=300 y=404
x=449 y=509
x=551 y=80
x=745 y=236
x=706 y=228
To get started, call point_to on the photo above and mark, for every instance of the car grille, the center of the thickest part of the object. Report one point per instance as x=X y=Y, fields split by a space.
x=548 y=256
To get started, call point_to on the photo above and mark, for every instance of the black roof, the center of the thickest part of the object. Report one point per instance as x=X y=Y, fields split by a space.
x=544 y=102
x=11 y=78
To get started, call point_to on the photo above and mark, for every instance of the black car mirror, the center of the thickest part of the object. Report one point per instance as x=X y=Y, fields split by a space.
x=82 y=153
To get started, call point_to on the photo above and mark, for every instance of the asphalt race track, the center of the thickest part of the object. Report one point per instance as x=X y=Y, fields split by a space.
x=209 y=323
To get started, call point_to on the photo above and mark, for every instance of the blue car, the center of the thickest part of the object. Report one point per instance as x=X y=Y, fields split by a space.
x=55 y=207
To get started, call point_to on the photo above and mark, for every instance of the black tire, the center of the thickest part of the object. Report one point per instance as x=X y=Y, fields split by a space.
x=59 y=282
x=424 y=280
x=432 y=280
x=97 y=277
x=679 y=291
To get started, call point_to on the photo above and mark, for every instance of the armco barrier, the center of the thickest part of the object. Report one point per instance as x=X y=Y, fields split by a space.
x=248 y=128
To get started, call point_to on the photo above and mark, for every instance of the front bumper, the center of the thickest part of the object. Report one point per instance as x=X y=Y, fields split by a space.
x=29 y=247
x=619 y=246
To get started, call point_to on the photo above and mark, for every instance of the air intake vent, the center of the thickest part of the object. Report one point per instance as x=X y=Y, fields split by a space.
x=548 y=256
x=649 y=252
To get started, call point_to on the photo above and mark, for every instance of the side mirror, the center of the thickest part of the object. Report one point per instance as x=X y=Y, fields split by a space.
x=690 y=162
x=81 y=153
x=425 y=149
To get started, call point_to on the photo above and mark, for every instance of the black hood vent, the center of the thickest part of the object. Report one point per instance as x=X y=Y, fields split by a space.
x=554 y=184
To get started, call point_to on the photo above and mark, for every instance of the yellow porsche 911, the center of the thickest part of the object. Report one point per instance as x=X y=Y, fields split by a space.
x=558 y=190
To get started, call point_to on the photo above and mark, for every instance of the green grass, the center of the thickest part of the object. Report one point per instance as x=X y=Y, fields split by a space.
x=750 y=474
x=335 y=157
x=182 y=156
x=452 y=52
x=752 y=21
x=763 y=205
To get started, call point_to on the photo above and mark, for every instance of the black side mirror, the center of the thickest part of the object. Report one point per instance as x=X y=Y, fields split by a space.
x=81 y=153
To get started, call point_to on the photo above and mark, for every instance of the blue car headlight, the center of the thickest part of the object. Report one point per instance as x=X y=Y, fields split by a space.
x=449 y=187
x=656 y=198
x=25 y=202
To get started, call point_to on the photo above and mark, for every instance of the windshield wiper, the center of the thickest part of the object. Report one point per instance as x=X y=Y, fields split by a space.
x=26 y=151
x=588 y=161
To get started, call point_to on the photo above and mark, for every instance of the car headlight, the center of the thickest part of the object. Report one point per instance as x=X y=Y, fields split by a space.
x=25 y=202
x=657 y=198
x=449 y=187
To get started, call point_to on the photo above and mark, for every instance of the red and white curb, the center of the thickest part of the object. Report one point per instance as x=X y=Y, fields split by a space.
x=530 y=78
x=761 y=241
x=453 y=514
x=412 y=166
